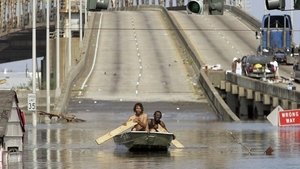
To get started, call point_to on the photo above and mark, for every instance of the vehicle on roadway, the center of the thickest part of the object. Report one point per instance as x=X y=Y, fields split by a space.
x=258 y=66
x=276 y=38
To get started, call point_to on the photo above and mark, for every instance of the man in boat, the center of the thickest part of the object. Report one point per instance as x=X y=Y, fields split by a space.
x=140 y=117
x=156 y=124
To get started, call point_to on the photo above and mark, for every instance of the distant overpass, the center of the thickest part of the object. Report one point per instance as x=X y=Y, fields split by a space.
x=16 y=26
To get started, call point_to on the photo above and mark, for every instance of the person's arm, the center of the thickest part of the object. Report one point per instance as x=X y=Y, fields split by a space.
x=131 y=118
x=151 y=124
x=162 y=124
x=144 y=122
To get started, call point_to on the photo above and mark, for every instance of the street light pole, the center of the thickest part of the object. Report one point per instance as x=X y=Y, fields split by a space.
x=85 y=13
x=57 y=46
x=48 y=56
x=34 y=56
x=70 y=38
x=80 y=20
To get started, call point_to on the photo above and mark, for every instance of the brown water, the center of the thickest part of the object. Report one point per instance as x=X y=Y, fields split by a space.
x=209 y=143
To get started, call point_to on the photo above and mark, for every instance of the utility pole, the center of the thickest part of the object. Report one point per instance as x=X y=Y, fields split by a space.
x=80 y=20
x=34 y=57
x=57 y=47
x=70 y=38
x=48 y=56
x=85 y=13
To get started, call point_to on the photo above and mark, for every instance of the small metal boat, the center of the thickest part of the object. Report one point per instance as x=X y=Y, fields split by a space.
x=144 y=141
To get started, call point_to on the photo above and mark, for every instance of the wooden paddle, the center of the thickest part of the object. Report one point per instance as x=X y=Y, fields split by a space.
x=115 y=132
x=175 y=142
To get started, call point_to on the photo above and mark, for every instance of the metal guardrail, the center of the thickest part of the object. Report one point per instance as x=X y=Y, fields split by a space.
x=61 y=102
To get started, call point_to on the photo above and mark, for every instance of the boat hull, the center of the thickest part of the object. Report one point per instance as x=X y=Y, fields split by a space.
x=144 y=141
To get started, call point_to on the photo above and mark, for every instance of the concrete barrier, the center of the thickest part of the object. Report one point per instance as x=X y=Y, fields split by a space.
x=216 y=101
x=263 y=87
x=62 y=101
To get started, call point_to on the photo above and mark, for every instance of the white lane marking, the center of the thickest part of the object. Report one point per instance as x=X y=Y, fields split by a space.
x=95 y=55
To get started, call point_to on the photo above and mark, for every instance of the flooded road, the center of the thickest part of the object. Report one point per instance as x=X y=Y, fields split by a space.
x=128 y=38
x=208 y=142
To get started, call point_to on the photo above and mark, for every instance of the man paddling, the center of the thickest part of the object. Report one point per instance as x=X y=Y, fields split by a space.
x=140 y=118
x=156 y=124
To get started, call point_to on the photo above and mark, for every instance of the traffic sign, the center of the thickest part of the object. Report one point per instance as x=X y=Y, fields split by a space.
x=31 y=102
x=273 y=116
x=289 y=117
x=280 y=117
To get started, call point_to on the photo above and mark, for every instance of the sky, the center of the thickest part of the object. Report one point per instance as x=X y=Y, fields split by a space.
x=20 y=66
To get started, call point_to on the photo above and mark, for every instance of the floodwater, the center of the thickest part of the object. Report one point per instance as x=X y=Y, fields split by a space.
x=209 y=143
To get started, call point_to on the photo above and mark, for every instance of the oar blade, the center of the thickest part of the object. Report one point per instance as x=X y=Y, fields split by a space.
x=115 y=132
x=177 y=144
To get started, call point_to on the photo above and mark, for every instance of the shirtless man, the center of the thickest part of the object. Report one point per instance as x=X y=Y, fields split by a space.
x=155 y=124
x=140 y=117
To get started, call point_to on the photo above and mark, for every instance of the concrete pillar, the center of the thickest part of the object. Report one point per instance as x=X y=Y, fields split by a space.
x=260 y=109
x=267 y=99
x=257 y=97
x=285 y=104
x=244 y=104
x=228 y=87
x=294 y=105
x=223 y=85
x=241 y=92
x=234 y=89
x=232 y=102
x=249 y=94
x=275 y=101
